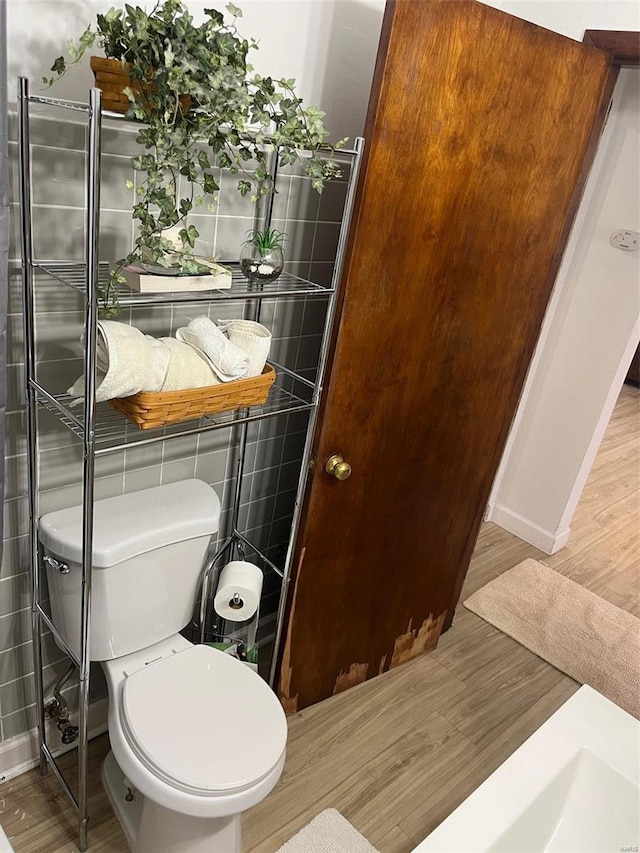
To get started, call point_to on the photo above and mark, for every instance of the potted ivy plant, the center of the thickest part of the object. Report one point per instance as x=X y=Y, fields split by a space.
x=203 y=107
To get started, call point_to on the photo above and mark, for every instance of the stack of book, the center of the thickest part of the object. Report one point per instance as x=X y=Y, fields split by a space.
x=142 y=281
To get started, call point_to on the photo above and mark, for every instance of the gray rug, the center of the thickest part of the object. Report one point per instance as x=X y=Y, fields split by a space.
x=574 y=630
x=328 y=832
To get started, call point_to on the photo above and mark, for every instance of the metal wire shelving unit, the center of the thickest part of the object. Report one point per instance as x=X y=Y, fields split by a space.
x=102 y=430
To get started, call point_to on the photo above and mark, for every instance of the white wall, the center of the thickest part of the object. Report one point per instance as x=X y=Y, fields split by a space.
x=590 y=333
x=573 y=17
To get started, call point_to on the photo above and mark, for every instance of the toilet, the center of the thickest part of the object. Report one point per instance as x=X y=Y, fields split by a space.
x=196 y=736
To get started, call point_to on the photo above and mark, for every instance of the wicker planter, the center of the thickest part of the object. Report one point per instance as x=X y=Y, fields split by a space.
x=112 y=78
x=148 y=410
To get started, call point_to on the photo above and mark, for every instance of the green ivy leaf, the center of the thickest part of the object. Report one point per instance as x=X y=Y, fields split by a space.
x=112 y=15
x=189 y=235
x=59 y=66
x=203 y=160
x=210 y=185
x=232 y=9
x=217 y=18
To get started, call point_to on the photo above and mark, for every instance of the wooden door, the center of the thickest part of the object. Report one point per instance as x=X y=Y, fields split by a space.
x=478 y=128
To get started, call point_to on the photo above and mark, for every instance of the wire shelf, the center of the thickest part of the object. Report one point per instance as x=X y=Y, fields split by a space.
x=135 y=124
x=74 y=274
x=114 y=432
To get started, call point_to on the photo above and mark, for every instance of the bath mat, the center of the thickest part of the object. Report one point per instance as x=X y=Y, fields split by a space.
x=328 y=832
x=571 y=628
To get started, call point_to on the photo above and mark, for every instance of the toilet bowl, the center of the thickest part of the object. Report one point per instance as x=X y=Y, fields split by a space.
x=197 y=737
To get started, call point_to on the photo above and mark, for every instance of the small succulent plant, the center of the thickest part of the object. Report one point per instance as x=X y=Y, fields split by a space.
x=266 y=240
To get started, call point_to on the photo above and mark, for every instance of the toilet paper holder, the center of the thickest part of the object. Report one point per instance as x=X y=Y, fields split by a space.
x=236 y=602
x=246 y=633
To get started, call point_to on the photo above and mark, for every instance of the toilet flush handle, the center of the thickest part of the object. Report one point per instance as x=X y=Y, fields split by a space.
x=58 y=565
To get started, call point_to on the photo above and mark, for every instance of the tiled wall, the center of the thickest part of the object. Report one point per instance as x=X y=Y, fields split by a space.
x=275 y=447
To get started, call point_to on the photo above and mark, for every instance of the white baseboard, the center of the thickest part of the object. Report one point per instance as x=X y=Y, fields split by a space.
x=20 y=753
x=527 y=530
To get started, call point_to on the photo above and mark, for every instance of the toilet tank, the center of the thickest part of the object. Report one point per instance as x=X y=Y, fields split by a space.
x=148 y=552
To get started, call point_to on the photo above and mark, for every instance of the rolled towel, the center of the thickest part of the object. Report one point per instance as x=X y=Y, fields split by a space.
x=252 y=338
x=226 y=360
x=187 y=369
x=127 y=361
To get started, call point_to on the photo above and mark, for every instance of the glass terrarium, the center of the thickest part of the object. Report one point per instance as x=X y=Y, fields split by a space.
x=262 y=255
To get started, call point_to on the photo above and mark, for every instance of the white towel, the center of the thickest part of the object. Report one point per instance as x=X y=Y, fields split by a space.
x=227 y=360
x=126 y=362
x=187 y=369
x=252 y=338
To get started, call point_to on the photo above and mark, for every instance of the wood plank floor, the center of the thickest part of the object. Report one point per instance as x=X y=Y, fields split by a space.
x=396 y=755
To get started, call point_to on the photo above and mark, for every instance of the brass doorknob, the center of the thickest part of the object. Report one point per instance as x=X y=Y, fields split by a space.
x=337 y=467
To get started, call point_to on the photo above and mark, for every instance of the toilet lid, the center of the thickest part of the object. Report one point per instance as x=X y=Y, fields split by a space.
x=203 y=721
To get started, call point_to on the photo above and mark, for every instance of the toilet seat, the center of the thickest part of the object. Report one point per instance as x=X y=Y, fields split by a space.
x=203 y=722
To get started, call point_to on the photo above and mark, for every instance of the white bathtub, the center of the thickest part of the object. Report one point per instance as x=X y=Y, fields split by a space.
x=572 y=787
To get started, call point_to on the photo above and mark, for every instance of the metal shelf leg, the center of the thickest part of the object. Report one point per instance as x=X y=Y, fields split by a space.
x=28 y=307
x=92 y=246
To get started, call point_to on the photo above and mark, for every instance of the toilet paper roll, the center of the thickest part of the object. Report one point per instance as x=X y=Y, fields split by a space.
x=238 y=595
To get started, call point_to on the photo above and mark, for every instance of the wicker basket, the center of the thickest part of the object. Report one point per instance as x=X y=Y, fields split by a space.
x=149 y=410
x=112 y=77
